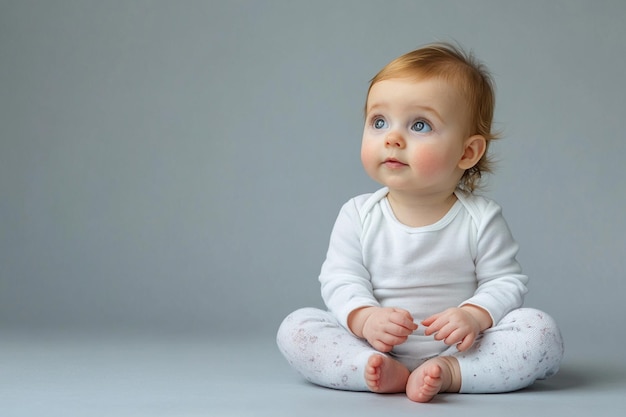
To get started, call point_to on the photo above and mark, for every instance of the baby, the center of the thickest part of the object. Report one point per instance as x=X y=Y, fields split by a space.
x=421 y=281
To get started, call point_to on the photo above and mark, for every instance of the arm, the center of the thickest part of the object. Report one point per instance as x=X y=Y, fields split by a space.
x=501 y=285
x=345 y=281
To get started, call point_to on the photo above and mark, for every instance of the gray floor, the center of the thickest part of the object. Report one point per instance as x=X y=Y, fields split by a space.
x=83 y=376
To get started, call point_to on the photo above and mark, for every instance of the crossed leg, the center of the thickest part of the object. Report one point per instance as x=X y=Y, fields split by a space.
x=524 y=346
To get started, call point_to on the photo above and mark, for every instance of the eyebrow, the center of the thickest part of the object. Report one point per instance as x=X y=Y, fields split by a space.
x=425 y=109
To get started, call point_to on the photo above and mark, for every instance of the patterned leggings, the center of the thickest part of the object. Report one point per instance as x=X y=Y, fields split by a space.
x=524 y=346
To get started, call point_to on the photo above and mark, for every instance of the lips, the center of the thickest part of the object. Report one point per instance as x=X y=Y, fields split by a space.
x=393 y=163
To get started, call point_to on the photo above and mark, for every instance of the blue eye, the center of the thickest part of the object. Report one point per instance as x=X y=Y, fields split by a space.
x=421 y=127
x=379 y=123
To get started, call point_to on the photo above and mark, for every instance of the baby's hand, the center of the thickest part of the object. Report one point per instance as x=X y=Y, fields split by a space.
x=383 y=327
x=460 y=326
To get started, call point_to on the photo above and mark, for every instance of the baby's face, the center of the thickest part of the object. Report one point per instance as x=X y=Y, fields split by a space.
x=414 y=134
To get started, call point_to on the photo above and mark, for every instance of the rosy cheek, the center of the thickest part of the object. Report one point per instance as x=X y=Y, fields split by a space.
x=429 y=162
x=367 y=154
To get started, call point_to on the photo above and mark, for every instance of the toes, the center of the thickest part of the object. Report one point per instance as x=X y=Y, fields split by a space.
x=375 y=361
x=435 y=372
x=426 y=384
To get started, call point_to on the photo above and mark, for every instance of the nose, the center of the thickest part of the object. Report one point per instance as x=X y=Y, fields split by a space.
x=394 y=140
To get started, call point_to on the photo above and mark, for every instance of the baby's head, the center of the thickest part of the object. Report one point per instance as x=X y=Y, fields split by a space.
x=464 y=73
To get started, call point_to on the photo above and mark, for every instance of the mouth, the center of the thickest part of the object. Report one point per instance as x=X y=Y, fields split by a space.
x=393 y=163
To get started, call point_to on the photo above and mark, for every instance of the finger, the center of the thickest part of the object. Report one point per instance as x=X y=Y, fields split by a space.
x=444 y=332
x=403 y=312
x=396 y=330
x=430 y=320
x=436 y=326
x=455 y=337
x=392 y=340
x=403 y=318
x=452 y=340
x=381 y=346
x=400 y=329
x=467 y=342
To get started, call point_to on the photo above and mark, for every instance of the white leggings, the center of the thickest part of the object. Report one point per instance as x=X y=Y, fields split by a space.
x=524 y=346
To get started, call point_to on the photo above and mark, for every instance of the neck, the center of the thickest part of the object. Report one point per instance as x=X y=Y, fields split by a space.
x=420 y=210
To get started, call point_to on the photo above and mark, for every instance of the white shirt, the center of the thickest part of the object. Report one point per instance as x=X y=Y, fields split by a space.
x=467 y=257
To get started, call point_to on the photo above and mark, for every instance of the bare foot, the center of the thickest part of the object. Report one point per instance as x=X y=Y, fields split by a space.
x=441 y=374
x=385 y=375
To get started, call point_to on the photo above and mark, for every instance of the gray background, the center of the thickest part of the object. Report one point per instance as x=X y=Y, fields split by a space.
x=176 y=167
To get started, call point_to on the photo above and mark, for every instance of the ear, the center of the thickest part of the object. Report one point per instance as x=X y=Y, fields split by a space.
x=475 y=147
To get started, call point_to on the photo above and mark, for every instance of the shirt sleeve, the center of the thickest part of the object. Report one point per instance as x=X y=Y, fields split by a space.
x=501 y=284
x=345 y=282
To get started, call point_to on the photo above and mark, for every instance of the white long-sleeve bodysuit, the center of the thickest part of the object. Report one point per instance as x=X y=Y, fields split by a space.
x=467 y=257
